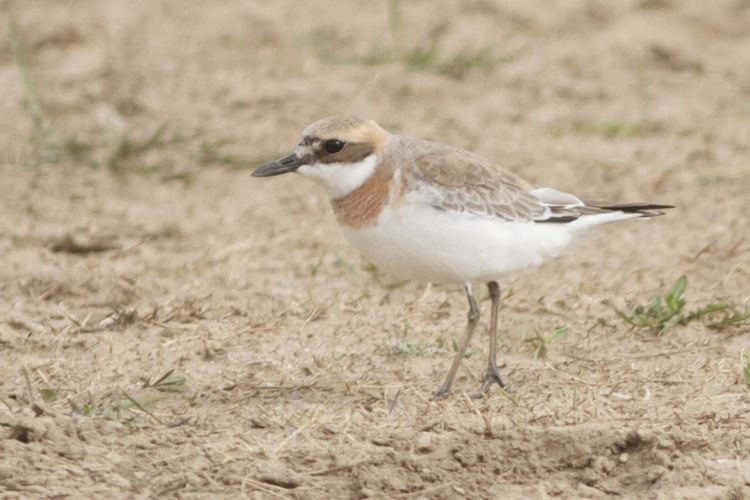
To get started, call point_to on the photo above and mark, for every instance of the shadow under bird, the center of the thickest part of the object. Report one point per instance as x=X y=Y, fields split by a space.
x=431 y=212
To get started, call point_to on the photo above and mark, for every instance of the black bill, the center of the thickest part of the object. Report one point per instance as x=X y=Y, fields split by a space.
x=281 y=166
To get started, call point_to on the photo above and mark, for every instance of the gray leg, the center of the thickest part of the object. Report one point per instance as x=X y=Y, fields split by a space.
x=471 y=324
x=492 y=376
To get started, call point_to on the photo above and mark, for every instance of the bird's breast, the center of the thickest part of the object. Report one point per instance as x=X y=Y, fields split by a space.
x=363 y=206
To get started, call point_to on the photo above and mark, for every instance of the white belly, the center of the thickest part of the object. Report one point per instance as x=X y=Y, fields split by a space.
x=422 y=243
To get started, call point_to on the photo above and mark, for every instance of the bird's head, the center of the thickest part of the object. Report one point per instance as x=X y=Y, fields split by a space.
x=339 y=153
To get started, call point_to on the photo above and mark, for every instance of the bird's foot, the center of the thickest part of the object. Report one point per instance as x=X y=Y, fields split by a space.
x=441 y=393
x=492 y=376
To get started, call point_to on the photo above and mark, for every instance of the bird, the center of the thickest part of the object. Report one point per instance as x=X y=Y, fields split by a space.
x=427 y=211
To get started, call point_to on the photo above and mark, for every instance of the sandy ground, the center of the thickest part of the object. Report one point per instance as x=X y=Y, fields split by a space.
x=170 y=326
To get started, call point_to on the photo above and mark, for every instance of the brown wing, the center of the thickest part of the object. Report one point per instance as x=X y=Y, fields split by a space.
x=452 y=179
x=456 y=180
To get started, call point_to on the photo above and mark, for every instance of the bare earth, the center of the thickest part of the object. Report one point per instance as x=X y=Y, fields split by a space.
x=170 y=326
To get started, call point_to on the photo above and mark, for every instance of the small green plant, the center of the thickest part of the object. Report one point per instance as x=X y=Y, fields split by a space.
x=49 y=395
x=171 y=383
x=731 y=317
x=668 y=310
x=461 y=62
x=141 y=402
x=540 y=343
x=168 y=382
x=403 y=347
x=406 y=348
x=613 y=129
x=88 y=410
x=315 y=268
x=661 y=311
x=128 y=153
x=47 y=143
x=131 y=408
x=745 y=360
x=426 y=55
x=125 y=153
x=212 y=152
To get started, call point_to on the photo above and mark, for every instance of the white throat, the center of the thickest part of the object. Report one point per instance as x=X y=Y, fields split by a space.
x=340 y=179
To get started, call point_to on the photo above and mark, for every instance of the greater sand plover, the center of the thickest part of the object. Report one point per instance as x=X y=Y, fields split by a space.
x=426 y=211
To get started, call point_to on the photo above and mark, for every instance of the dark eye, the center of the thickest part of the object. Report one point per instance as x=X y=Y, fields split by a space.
x=333 y=146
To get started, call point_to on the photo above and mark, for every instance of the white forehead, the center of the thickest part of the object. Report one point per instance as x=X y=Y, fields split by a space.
x=304 y=151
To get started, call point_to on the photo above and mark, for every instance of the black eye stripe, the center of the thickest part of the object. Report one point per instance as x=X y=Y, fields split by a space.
x=333 y=146
x=350 y=153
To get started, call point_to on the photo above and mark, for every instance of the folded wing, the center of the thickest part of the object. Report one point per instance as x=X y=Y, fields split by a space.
x=452 y=179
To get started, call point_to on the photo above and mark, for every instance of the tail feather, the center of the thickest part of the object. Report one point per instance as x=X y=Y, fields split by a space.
x=599 y=213
x=643 y=209
x=567 y=208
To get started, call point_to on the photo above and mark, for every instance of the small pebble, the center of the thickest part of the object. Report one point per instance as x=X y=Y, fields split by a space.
x=424 y=443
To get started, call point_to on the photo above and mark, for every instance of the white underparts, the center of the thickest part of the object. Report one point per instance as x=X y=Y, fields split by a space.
x=415 y=241
x=340 y=179
x=418 y=242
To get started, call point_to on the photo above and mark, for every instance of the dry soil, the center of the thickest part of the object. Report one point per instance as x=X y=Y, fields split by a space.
x=172 y=327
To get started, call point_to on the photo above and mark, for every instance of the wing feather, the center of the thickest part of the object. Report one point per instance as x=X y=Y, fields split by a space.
x=451 y=179
x=455 y=180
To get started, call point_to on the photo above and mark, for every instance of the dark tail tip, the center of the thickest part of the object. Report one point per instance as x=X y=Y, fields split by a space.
x=645 y=209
